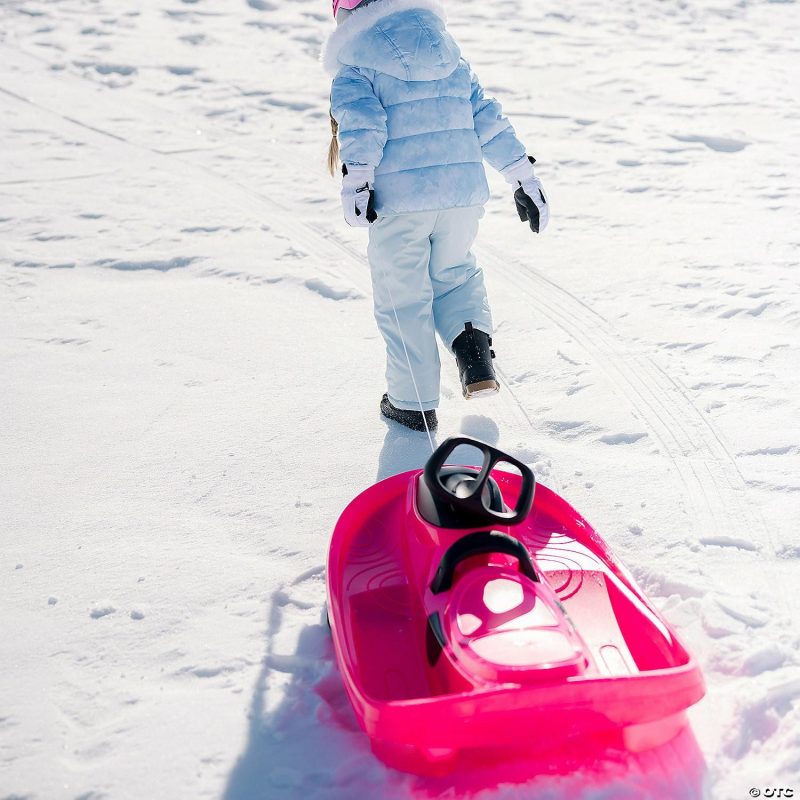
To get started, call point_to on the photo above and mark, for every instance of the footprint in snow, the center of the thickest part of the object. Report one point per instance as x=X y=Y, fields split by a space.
x=134 y=266
x=571 y=429
x=108 y=69
x=761 y=717
x=621 y=438
x=181 y=71
x=729 y=541
x=720 y=144
x=102 y=609
x=331 y=292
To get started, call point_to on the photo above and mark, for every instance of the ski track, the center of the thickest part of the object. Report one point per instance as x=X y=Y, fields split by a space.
x=706 y=469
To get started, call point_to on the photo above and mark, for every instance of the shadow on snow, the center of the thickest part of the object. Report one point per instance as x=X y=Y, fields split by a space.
x=304 y=742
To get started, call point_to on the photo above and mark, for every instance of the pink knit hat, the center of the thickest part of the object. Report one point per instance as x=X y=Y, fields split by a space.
x=348 y=4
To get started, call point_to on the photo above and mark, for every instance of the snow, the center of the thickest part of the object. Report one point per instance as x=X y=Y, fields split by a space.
x=190 y=376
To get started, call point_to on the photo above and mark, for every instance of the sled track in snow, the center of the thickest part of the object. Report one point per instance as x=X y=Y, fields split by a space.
x=715 y=489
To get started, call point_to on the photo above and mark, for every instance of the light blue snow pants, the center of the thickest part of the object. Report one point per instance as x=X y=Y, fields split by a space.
x=423 y=270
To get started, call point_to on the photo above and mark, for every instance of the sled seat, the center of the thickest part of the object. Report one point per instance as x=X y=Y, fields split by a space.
x=502 y=626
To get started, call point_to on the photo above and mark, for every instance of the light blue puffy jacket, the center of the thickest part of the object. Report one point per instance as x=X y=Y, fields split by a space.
x=409 y=106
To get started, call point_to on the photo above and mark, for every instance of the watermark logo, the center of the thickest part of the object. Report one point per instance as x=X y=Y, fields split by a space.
x=754 y=792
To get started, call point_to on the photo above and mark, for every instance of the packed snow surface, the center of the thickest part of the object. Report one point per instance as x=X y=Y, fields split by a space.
x=190 y=374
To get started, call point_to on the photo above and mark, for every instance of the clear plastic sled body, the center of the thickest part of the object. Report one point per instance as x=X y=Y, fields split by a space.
x=473 y=617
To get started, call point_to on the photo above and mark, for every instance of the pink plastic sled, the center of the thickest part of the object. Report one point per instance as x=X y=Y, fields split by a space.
x=471 y=620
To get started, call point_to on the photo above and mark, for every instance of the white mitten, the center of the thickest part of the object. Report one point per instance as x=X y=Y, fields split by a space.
x=358 y=196
x=529 y=196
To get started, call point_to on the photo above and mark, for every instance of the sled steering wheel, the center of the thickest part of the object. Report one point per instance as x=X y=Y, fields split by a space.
x=466 y=491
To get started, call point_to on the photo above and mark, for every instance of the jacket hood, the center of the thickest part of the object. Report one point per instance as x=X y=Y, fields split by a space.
x=402 y=38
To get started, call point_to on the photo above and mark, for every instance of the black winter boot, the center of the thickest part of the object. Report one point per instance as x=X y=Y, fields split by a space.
x=411 y=419
x=474 y=354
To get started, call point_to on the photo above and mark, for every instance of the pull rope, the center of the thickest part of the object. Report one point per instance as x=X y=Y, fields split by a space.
x=408 y=360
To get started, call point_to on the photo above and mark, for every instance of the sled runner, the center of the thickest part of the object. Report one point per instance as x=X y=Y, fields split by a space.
x=474 y=613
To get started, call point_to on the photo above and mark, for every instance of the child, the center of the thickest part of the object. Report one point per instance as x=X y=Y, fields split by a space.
x=413 y=129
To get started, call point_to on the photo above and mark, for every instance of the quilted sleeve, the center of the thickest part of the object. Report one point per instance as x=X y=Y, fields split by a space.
x=498 y=140
x=361 y=118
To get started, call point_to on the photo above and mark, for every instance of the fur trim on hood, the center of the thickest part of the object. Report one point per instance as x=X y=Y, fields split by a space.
x=363 y=19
